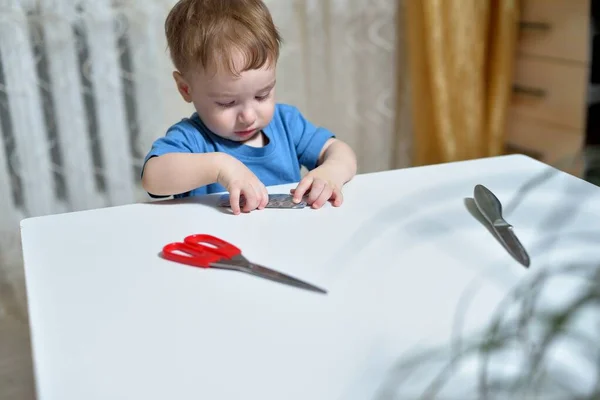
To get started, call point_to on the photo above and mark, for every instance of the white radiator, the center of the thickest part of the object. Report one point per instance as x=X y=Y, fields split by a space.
x=76 y=77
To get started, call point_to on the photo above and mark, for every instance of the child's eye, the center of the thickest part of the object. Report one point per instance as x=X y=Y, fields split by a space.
x=262 y=98
x=226 y=105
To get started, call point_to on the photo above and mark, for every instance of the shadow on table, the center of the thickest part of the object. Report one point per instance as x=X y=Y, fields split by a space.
x=521 y=354
x=483 y=365
x=209 y=200
x=412 y=206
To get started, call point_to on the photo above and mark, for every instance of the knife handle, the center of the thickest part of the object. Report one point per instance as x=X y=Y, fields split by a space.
x=489 y=205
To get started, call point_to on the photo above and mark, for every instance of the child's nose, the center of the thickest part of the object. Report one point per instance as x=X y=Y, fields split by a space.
x=247 y=117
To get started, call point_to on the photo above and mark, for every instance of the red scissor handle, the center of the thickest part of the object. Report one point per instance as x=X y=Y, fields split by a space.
x=191 y=255
x=213 y=244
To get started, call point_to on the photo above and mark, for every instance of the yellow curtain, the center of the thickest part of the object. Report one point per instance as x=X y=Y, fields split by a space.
x=460 y=55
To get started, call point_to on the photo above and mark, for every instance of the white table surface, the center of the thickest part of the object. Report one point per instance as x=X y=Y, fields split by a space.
x=110 y=319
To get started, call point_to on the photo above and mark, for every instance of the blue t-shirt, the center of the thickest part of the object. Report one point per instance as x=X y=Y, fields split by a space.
x=292 y=141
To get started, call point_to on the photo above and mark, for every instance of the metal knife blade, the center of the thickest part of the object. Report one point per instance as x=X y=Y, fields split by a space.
x=512 y=244
x=491 y=208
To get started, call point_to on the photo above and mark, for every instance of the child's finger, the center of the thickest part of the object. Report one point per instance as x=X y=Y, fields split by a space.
x=323 y=197
x=234 y=200
x=264 y=198
x=315 y=191
x=337 y=197
x=251 y=197
x=302 y=187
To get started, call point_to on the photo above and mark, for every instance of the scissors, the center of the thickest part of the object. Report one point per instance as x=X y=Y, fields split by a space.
x=207 y=251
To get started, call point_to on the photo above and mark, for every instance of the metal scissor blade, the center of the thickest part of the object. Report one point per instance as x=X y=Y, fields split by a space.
x=268 y=273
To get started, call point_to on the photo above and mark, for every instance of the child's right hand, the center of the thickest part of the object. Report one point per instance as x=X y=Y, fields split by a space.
x=239 y=180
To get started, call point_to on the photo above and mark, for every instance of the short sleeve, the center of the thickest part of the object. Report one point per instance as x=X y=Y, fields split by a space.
x=180 y=138
x=308 y=138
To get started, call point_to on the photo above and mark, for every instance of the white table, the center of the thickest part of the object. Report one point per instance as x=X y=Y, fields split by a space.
x=112 y=320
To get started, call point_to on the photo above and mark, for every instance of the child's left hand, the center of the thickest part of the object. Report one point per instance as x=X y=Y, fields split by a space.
x=322 y=184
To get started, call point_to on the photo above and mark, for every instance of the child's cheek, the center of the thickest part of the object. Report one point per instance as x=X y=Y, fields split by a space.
x=225 y=122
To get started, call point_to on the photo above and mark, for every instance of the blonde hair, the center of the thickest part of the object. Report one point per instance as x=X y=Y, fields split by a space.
x=209 y=32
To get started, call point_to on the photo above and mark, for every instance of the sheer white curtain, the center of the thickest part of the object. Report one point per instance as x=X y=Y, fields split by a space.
x=338 y=65
x=85 y=87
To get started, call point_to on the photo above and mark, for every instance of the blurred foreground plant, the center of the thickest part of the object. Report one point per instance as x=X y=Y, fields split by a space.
x=524 y=353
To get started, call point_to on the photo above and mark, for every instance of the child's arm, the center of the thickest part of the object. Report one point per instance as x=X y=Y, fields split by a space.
x=175 y=173
x=337 y=165
x=341 y=156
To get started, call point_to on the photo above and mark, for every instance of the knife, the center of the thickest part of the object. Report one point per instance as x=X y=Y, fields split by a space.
x=491 y=208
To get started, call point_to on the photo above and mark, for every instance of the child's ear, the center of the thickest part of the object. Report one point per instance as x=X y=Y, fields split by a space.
x=182 y=86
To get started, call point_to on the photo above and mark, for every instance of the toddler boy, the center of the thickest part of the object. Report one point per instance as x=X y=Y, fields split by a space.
x=239 y=139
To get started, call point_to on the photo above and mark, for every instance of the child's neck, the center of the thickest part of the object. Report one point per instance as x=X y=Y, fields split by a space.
x=258 y=140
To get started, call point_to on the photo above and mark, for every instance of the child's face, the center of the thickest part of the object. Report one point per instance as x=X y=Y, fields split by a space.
x=235 y=108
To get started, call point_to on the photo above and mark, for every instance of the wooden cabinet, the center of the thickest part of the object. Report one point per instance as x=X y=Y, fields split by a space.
x=547 y=111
